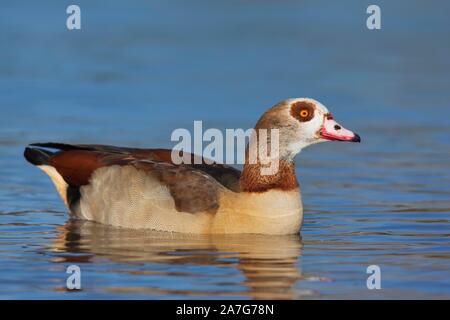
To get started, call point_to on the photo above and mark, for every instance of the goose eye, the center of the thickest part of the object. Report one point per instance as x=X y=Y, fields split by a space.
x=304 y=113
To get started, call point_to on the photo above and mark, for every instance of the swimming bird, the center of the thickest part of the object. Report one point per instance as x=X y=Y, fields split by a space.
x=145 y=189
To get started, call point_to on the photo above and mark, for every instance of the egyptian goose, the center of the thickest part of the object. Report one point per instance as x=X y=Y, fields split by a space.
x=143 y=188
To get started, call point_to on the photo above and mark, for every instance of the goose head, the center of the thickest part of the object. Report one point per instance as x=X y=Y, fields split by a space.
x=303 y=122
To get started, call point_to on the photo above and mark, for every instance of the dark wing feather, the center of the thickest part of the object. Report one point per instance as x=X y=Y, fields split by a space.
x=77 y=162
x=192 y=190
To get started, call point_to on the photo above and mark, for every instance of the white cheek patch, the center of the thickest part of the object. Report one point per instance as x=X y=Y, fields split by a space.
x=309 y=129
x=307 y=134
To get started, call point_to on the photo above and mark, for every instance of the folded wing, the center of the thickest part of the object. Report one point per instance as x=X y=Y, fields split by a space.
x=194 y=187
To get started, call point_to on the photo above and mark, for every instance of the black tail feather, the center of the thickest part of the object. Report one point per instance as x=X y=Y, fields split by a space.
x=37 y=156
x=56 y=145
x=88 y=147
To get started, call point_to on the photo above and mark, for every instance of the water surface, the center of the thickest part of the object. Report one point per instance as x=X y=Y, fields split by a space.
x=136 y=71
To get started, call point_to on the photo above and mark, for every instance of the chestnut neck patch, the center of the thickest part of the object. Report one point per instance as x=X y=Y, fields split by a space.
x=303 y=111
x=252 y=181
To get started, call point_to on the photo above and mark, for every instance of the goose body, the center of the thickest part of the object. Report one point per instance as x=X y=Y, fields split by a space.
x=144 y=188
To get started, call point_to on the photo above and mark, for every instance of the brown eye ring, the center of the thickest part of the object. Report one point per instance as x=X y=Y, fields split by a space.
x=303 y=111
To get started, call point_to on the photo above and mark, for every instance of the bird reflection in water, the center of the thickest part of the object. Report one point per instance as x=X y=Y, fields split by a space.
x=269 y=264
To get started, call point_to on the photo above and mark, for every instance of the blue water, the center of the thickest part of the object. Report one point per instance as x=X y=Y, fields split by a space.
x=138 y=70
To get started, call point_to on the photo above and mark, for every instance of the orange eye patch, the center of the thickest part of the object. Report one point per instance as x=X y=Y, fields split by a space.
x=303 y=110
